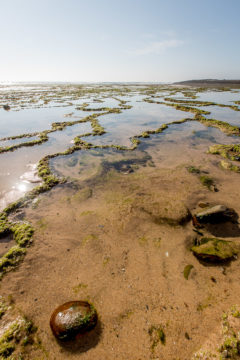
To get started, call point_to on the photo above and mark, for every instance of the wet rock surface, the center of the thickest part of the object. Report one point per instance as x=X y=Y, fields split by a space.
x=216 y=214
x=215 y=250
x=73 y=319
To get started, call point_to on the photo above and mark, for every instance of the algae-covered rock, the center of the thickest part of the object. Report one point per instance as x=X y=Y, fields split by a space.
x=167 y=212
x=215 y=250
x=72 y=319
x=227 y=165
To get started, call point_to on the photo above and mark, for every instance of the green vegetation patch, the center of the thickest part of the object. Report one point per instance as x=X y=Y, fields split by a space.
x=207 y=181
x=193 y=170
x=222 y=125
x=22 y=234
x=227 y=165
x=231 y=152
x=187 y=270
x=18 y=335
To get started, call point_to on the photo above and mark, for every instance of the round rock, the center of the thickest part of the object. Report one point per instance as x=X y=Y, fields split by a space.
x=72 y=319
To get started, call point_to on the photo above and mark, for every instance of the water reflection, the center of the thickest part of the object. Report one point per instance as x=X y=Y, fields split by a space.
x=18 y=174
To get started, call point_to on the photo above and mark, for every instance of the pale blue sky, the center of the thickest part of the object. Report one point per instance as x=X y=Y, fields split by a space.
x=113 y=40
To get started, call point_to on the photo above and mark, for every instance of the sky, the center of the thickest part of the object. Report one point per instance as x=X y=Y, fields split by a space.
x=119 y=40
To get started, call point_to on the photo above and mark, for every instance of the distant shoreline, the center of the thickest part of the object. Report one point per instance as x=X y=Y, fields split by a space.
x=210 y=83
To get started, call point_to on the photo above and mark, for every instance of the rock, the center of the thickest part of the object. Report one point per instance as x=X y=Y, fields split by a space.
x=6 y=107
x=215 y=214
x=215 y=250
x=72 y=319
x=163 y=213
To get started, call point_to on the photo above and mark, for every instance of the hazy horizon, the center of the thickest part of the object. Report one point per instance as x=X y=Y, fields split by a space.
x=132 y=41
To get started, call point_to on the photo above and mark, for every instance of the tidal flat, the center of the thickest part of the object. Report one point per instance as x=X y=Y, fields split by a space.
x=125 y=196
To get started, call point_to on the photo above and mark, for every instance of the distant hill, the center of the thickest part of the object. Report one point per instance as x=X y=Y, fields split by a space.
x=210 y=83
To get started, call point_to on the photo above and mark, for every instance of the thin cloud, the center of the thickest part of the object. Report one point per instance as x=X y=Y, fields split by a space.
x=157 y=47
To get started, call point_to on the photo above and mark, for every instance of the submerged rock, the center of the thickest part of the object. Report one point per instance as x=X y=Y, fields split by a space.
x=126 y=169
x=216 y=214
x=215 y=250
x=72 y=319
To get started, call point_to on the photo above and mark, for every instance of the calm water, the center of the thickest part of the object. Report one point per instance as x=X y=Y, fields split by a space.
x=35 y=108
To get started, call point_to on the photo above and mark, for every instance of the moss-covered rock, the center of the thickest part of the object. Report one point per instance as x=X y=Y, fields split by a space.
x=227 y=165
x=215 y=250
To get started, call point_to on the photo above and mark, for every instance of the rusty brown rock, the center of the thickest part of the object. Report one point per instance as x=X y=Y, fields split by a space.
x=73 y=318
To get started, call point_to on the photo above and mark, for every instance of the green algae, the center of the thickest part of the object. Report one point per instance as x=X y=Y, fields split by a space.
x=231 y=152
x=193 y=170
x=201 y=103
x=79 y=287
x=190 y=102
x=83 y=194
x=11 y=259
x=106 y=260
x=22 y=235
x=206 y=181
x=42 y=138
x=157 y=242
x=187 y=270
x=142 y=240
x=157 y=335
x=87 y=238
x=42 y=224
x=230 y=346
x=16 y=337
x=227 y=165
x=221 y=125
x=3 y=307
x=180 y=107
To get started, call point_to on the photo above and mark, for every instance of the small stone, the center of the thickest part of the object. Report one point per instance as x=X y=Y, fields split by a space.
x=6 y=107
x=126 y=169
x=72 y=319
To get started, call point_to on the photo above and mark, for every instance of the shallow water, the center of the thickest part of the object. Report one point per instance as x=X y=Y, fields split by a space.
x=224 y=114
x=159 y=150
x=120 y=214
x=33 y=120
x=220 y=97
x=60 y=105
x=143 y=116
